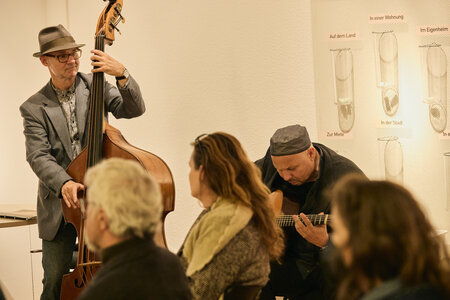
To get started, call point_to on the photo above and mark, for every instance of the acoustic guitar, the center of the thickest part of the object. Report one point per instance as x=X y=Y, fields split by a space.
x=285 y=209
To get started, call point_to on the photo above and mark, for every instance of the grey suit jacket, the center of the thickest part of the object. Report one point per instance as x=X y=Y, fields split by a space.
x=47 y=139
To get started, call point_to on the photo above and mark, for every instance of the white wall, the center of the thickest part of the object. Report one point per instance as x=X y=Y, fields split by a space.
x=20 y=75
x=244 y=67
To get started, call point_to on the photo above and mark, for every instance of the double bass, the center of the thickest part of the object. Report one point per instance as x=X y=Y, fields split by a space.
x=105 y=141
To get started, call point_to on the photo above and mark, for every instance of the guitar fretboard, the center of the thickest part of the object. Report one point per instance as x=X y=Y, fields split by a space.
x=288 y=220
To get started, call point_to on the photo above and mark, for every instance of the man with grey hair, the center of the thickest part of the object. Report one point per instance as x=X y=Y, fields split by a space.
x=123 y=213
x=301 y=170
x=56 y=129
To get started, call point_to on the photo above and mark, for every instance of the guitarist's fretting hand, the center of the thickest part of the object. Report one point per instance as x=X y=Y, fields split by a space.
x=316 y=235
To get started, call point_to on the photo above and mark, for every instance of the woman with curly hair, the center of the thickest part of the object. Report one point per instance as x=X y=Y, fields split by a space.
x=233 y=239
x=386 y=247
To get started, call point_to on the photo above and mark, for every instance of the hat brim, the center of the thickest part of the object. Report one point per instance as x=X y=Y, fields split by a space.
x=58 y=48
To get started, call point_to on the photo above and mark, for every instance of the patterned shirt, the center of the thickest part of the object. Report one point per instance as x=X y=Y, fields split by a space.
x=66 y=99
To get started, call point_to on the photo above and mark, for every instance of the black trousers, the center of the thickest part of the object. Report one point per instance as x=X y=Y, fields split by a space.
x=285 y=280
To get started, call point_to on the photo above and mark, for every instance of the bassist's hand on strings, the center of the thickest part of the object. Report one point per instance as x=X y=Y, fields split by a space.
x=316 y=235
x=69 y=192
x=106 y=64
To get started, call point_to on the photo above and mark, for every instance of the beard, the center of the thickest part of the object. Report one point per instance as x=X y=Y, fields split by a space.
x=92 y=246
x=312 y=176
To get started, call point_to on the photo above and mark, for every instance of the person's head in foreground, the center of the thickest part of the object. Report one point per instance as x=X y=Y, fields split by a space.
x=124 y=201
x=384 y=243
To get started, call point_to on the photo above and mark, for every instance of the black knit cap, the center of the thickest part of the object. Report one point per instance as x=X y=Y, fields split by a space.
x=289 y=140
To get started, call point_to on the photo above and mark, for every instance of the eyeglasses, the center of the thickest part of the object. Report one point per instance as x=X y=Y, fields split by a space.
x=63 y=58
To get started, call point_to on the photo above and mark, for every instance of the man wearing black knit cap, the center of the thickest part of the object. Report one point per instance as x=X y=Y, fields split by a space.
x=302 y=171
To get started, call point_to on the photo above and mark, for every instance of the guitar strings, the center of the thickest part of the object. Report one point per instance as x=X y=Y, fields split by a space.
x=315 y=219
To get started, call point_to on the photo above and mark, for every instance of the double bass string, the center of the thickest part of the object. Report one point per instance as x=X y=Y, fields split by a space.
x=115 y=145
x=95 y=145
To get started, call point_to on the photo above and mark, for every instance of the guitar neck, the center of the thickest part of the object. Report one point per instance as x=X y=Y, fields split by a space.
x=288 y=220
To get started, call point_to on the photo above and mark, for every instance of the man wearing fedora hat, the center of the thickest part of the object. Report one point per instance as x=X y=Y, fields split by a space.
x=302 y=171
x=54 y=127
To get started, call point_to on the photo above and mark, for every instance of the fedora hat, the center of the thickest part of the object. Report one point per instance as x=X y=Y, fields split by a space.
x=55 y=38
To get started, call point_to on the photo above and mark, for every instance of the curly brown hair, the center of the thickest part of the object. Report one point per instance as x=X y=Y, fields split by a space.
x=389 y=237
x=230 y=174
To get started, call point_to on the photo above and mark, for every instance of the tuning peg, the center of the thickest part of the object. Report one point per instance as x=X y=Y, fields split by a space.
x=119 y=14
x=115 y=27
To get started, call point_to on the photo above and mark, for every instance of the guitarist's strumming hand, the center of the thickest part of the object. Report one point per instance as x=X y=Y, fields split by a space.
x=316 y=235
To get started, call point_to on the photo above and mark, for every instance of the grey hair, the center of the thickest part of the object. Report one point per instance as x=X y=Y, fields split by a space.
x=130 y=197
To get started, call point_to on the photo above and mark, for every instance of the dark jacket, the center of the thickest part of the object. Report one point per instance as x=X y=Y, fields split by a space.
x=394 y=290
x=137 y=269
x=310 y=198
